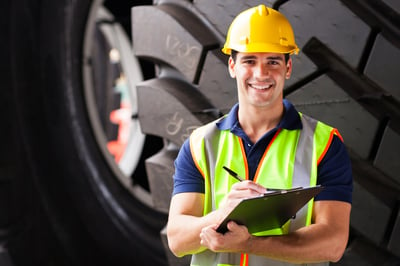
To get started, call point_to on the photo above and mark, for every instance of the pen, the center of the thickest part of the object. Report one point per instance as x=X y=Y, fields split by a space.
x=233 y=174
x=239 y=178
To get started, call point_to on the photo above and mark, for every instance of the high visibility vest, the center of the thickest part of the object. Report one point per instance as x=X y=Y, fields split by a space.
x=290 y=160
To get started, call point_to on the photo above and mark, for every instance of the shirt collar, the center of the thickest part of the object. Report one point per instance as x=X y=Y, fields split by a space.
x=290 y=121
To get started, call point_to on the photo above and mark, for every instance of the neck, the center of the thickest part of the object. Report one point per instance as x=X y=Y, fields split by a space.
x=256 y=121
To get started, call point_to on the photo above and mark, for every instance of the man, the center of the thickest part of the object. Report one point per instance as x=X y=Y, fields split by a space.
x=264 y=139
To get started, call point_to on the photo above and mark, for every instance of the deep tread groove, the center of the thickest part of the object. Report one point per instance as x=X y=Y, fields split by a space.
x=278 y=3
x=367 y=51
x=391 y=224
x=378 y=137
x=379 y=16
x=359 y=87
x=367 y=175
x=304 y=81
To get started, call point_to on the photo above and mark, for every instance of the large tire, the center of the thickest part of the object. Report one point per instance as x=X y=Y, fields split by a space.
x=71 y=206
x=62 y=193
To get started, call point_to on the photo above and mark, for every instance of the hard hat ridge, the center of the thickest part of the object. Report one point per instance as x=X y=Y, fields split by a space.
x=262 y=10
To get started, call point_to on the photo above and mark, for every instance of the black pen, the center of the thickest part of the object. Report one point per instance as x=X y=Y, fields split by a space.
x=239 y=178
x=233 y=174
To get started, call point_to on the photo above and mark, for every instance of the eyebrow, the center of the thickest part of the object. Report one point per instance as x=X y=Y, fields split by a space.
x=275 y=58
x=247 y=57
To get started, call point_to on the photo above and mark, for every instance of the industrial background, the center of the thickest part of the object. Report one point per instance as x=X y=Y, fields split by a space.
x=97 y=96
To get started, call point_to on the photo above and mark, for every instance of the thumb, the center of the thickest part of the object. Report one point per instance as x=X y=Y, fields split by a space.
x=232 y=225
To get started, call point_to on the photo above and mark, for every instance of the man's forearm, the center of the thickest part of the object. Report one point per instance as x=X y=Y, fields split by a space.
x=325 y=240
x=303 y=246
x=184 y=233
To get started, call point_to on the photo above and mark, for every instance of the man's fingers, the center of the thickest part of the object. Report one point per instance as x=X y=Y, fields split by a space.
x=249 y=186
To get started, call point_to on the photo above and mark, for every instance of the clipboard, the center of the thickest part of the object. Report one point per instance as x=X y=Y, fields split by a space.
x=271 y=210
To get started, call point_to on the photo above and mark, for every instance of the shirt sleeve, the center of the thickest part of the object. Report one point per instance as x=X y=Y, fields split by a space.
x=187 y=177
x=335 y=174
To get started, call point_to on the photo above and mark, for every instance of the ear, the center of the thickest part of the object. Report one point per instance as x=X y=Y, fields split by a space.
x=231 y=67
x=288 y=68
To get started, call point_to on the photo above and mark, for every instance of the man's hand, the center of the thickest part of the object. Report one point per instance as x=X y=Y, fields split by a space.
x=187 y=208
x=235 y=240
x=239 y=191
x=246 y=189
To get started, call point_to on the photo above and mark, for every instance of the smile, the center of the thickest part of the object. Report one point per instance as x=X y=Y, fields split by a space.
x=261 y=87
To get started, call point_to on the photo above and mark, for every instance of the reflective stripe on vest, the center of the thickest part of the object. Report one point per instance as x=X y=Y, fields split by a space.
x=291 y=153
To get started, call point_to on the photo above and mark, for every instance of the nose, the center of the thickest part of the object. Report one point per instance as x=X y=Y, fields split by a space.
x=261 y=71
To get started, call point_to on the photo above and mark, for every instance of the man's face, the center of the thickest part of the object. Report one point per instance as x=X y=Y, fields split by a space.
x=260 y=77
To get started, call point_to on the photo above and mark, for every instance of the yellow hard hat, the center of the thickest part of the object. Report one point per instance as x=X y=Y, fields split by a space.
x=260 y=29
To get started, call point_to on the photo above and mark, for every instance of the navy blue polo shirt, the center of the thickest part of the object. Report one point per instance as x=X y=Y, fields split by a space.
x=334 y=170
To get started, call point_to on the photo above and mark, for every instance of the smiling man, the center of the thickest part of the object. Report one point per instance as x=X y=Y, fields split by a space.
x=265 y=140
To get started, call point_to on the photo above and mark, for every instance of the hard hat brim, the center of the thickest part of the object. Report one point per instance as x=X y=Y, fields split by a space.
x=261 y=48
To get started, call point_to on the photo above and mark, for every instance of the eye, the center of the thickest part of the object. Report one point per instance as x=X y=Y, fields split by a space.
x=249 y=62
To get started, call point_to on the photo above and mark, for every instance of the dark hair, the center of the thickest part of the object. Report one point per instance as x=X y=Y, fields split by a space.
x=234 y=54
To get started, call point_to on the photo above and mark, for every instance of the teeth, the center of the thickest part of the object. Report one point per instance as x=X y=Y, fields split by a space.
x=257 y=87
